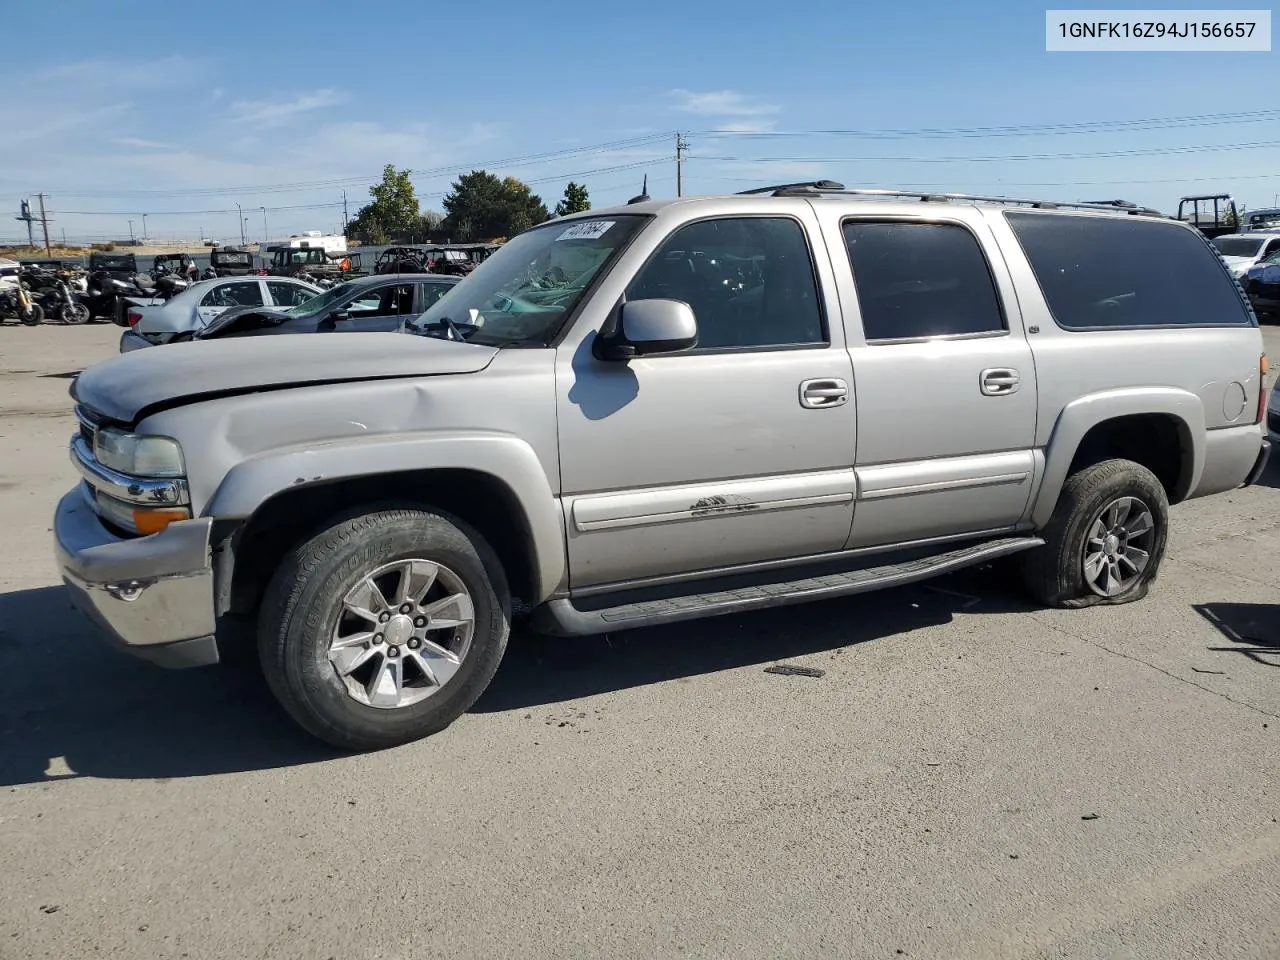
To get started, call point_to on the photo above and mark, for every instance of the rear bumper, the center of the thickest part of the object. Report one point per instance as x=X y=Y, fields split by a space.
x=152 y=597
x=1260 y=464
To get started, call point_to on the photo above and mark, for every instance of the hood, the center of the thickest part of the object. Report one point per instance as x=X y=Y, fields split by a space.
x=123 y=387
x=260 y=317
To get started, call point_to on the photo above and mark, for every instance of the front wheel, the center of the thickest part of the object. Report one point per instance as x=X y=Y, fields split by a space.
x=1105 y=540
x=75 y=312
x=34 y=315
x=384 y=628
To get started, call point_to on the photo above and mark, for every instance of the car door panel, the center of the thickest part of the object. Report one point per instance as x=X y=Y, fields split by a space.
x=946 y=419
x=705 y=459
x=224 y=296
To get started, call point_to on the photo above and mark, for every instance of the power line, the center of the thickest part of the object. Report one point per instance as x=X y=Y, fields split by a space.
x=1098 y=155
x=1015 y=130
x=524 y=160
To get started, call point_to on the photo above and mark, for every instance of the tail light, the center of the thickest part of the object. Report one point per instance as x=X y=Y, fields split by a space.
x=1262 y=388
x=133 y=317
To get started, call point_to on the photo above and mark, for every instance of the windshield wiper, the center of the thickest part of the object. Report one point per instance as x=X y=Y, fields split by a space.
x=451 y=330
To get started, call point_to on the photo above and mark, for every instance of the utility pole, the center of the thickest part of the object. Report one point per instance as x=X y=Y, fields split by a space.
x=344 y=213
x=24 y=213
x=241 y=219
x=265 y=235
x=681 y=146
x=44 y=222
x=131 y=240
x=144 y=228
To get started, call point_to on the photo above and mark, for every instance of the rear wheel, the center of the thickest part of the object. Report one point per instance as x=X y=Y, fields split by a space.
x=1105 y=540
x=384 y=628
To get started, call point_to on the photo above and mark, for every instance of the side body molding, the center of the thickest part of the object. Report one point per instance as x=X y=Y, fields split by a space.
x=1080 y=415
x=506 y=458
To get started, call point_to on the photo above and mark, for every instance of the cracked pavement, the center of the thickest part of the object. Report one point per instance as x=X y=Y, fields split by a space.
x=971 y=776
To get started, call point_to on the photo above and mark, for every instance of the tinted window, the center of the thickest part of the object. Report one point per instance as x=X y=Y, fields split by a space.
x=1113 y=272
x=919 y=280
x=288 y=294
x=1238 y=246
x=247 y=293
x=749 y=281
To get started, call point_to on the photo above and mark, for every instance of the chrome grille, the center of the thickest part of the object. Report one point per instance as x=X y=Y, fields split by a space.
x=88 y=425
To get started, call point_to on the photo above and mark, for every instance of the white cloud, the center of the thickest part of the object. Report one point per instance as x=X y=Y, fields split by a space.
x=746 y=126
x=142 y=144
x=722 y=103
x=272 y=112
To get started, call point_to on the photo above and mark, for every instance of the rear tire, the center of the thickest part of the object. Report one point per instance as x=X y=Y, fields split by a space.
x=306 y=624
x=1105 y=540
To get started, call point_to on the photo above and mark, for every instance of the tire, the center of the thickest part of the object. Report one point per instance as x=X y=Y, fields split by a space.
x=1056 y=574
x=35 y=317
x=75 y=313
x=303 y=611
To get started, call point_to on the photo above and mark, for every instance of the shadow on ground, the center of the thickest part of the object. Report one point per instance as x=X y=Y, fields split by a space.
x=1252 y=628
x=72 y=703
x=540 y=670
x=75 y=707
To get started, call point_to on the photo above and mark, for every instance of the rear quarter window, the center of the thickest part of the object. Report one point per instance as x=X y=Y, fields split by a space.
x=1108 y=273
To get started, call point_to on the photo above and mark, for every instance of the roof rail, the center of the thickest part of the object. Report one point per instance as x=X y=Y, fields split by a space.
x=820 y=188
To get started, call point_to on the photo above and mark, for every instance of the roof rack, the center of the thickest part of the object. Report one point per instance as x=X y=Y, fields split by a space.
x=817 y=188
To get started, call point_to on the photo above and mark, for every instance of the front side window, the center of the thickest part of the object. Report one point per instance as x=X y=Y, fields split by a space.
x=245 y=294
x=749 y=281
x=431 y=292
x=1105 y=272
x=532 y=283
x=288 y=294
x=921 y=280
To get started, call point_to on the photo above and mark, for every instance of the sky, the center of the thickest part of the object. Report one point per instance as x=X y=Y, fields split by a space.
x=116 y=110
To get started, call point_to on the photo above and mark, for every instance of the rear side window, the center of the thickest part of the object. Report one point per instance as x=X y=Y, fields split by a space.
x=921 y=280
x=1104 y=272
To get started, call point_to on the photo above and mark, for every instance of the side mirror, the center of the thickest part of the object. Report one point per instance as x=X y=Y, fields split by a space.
x=647 y=328
x=342 y=314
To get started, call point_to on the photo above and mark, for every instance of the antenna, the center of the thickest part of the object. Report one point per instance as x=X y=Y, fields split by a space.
x=644 y=193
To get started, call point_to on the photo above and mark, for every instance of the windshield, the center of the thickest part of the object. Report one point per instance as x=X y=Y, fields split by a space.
x=113 y=263
x=321 y=301
x=532 y=282
x=1238 y=246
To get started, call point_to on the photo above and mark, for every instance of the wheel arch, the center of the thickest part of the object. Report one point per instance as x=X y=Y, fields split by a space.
x=495 y=484
x=1161 y=428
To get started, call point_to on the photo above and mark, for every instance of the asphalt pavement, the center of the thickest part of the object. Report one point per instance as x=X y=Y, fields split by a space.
x=970 y=777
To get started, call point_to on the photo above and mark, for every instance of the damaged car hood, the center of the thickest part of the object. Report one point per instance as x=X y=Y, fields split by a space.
x=123 y=387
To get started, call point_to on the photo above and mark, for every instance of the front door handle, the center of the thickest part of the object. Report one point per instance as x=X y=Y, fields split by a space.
x=823 y=393
x=999 y=381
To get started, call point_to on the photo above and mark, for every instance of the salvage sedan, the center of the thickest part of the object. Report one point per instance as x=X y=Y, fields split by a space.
x=382 y=302
x=182 y=316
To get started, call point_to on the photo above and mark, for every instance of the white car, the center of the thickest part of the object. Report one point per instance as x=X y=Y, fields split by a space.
x=181 y=316
x=1242 y=250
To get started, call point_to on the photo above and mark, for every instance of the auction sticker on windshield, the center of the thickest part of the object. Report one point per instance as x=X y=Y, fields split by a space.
x=587 y=230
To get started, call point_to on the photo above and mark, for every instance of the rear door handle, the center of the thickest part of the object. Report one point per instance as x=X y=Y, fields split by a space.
x=998 y=381
x=823 y=393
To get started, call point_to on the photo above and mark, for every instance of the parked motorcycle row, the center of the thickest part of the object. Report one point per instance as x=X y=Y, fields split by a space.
x=54 y=292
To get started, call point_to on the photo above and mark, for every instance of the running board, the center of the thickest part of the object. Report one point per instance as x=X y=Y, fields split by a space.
x=561 y=618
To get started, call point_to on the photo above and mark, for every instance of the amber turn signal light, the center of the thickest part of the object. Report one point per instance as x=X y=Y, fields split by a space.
x=153 y=520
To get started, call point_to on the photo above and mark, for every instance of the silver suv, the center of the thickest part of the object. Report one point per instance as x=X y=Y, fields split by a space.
x=663 y=411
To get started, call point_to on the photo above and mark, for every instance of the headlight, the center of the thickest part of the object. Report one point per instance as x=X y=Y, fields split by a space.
x=138 y=455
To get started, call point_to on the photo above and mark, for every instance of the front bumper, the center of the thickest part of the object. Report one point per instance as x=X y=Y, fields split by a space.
x=152 y=596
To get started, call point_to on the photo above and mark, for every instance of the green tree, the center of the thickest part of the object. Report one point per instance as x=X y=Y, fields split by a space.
x=481 y=206
x=392 y=215
x=575 y=200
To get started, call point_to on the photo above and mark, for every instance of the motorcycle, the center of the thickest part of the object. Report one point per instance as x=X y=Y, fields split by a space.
x=106 y=292
x=16 y=301
x=57 y=300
